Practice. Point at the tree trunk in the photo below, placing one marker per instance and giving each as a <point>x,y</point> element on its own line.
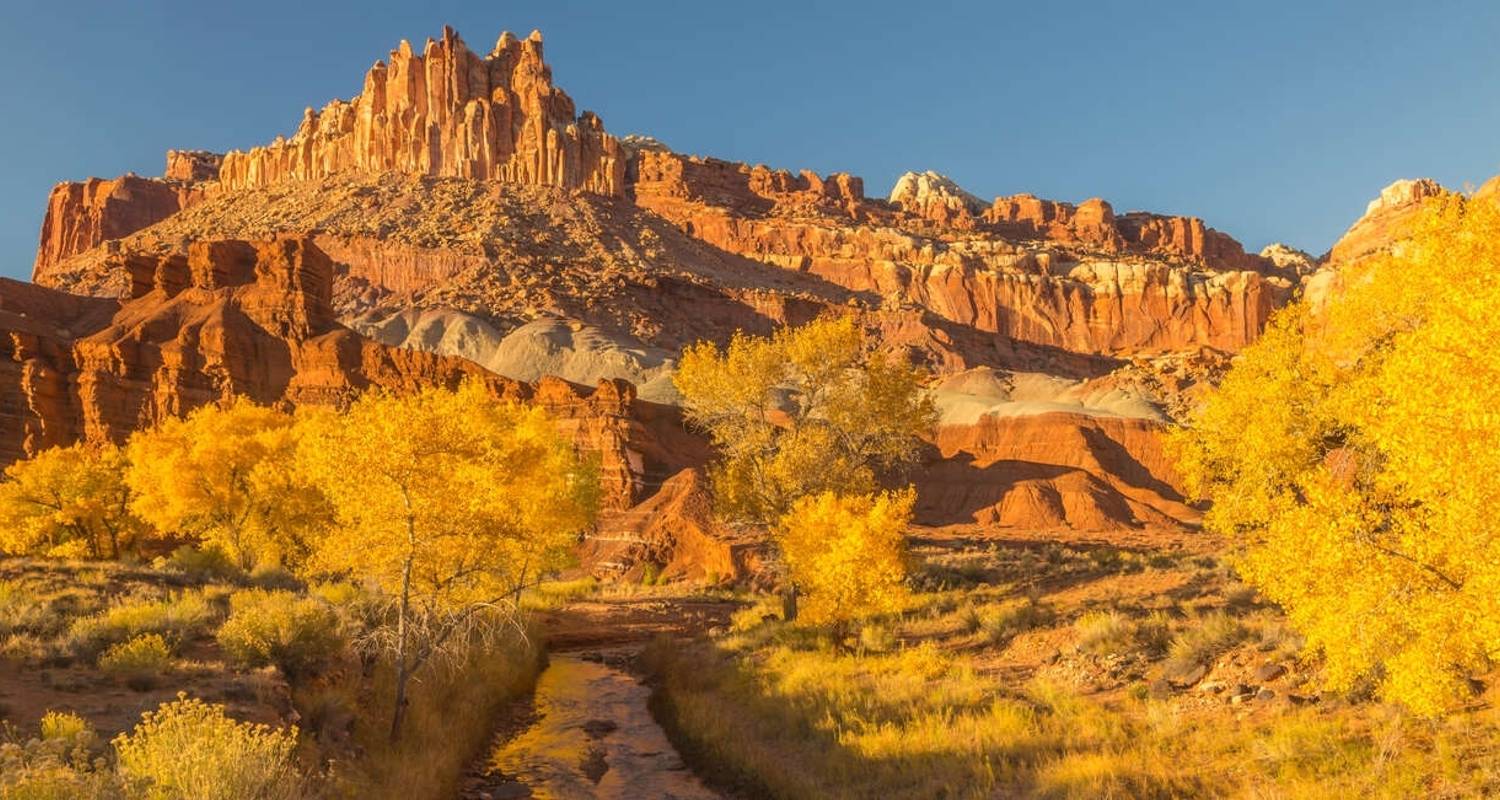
<point>403,672</point>
<point>789,603</point>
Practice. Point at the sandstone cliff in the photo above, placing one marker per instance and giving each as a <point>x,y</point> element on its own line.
<point>1050,274</point>
<point>460,209</point>
<point>84,214</point>
<point>447,111</point>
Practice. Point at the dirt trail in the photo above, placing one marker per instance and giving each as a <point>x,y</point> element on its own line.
<point>587,731</point>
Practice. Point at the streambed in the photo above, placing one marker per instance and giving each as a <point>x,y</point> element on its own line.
<point>591,735</point>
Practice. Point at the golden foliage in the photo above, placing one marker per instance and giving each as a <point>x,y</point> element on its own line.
<point>848,553</point>
<point>1352,451</point>
<point>68,502</point>
<point>225,475</point>
<point>450,503</point>
<point>808,410</point>
<point>465,496</point>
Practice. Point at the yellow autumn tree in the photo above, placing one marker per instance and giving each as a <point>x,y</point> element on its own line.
<point>451,502</point>
<point>848,553</point>
<point>1351,454</point>
<point>808,410</point>
<point>224,475</point>
<point>68,502</point>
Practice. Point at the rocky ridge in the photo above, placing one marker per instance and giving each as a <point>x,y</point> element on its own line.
<point>459,217</point>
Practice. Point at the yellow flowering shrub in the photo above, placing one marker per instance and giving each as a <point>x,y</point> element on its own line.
<point>189,749</point>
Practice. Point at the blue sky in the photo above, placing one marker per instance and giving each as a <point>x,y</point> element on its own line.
<point>1273,121</point>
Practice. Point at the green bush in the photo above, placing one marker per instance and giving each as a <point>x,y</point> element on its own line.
<point>145,654</point>
<point>297,634</point>
<point>188,749</point>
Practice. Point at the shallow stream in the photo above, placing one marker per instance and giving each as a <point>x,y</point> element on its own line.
<point>592,736</point>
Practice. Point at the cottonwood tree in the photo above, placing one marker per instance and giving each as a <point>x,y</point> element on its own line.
<point>848,553</point>
<point>806,411</point>
<point>1350,453</point>
<point>68,502</point>
<point>451,502</point>
<point>225,475</point>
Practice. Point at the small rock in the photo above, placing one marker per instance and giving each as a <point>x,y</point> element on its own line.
<point>1211,687</point>
<point>1240,688</point>
<point>1269,671</point>
<point>1187,675</point>
<point>1265,694</point>
<point>1239,698</point>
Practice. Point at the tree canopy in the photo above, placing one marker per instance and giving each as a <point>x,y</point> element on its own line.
<point>223,475</point>
<point>450,502</point>
<point>808,410</point>
<point>68,502</point>
<point>1351,453</point>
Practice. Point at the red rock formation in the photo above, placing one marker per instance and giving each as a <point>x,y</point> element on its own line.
<point>1050,471</point>
<point>83,214</point>
<point>674,531</point>
<point>237,318</point>
<point>447,112</point>
<point>657,174</point>
<point>192,166</point>
<point>980,278</point>
<point>937,198</point>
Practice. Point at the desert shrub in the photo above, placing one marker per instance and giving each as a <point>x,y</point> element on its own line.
<point>63,725</point>
<point>1015,618</point>
<point>204,563</point>
<point>59,764</point>
<point>297,634</point>
<point>174,618</point>
<point>1203,642</point>
<point>1104,632</point>
<point>19,608</point>
<point>147,653</point>
<point>189,749</point>
<point>1154,634</point>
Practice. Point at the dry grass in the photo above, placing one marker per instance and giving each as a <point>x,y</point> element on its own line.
<point>995,682</point>
<point>451,717</point>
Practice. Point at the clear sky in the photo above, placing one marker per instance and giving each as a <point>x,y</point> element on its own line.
<point>1274,121</point>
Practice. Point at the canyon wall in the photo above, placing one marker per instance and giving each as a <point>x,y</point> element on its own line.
<point>1051,274</point>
